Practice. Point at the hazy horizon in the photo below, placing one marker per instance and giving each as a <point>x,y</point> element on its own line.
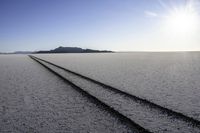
<point>117,25</point>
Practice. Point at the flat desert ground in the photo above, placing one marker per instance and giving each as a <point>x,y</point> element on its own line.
<point>164,91</point>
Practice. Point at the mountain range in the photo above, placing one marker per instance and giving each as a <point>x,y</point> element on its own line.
<point>73,50</point>
<point>62,50</point>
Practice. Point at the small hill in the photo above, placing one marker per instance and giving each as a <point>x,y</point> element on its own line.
<point>23,52</point>
<point>73,50</point>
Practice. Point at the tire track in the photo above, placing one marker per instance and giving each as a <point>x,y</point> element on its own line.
<point>151,116</point>
<point>136,127</point>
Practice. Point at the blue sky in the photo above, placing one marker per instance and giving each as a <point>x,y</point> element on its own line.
<point>122,25</point>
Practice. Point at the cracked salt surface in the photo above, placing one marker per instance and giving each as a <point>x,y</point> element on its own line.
<point>34,100</point>
<point>168,79</point>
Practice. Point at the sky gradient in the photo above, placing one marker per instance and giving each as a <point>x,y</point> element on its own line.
<point>121,25</point>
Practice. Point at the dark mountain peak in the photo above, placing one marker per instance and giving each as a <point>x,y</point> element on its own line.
<point>61,49</point>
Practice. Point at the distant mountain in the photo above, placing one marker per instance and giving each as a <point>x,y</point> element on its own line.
<point>23,52</point>
<point>73,50</point>
<point>18,52</point>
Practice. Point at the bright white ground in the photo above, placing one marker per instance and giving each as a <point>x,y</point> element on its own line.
<point>34,100</point>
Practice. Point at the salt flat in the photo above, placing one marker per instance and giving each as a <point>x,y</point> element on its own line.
<point>34,100</point>
<point>148,115</point>
<point>168,79</point>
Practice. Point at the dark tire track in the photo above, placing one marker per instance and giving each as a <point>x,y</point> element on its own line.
<point>170,112</point>
<point>153,117</point>
<point>32,99</point>
<point>136,127</point>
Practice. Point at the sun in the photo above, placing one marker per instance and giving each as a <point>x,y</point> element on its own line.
<point>182,20</point>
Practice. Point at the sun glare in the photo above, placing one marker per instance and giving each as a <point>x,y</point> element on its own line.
<point>182,20</point>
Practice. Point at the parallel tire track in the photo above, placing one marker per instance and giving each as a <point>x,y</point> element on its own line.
<point>136,127</point>
<point>167,111</point>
